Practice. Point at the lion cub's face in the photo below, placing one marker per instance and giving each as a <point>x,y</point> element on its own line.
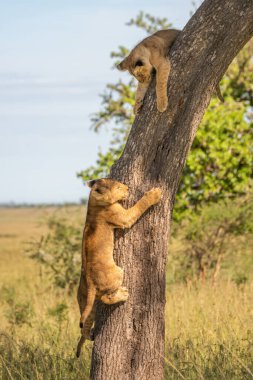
<point>107,191</point>
<point>142,72</point>
<point>138,65</point>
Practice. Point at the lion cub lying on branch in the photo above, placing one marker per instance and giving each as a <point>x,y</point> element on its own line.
<point>149,57</point>
<point>101,278</point>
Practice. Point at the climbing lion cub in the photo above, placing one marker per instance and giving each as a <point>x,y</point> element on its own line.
<point>101,278</point>
<point>147,58</point>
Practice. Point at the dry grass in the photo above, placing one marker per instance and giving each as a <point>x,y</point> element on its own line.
<point>209,329</point>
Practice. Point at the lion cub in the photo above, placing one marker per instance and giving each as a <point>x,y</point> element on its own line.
<point>147,58</point>
<point>150,57</point>
<point>101,278</point>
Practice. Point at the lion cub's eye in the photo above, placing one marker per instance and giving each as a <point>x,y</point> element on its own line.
<point>138,63</point>
<point>99,191</point>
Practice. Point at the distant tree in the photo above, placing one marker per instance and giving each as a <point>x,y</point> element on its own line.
<point>221,160</point>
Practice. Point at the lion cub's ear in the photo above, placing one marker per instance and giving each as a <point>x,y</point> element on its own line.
<point>91,183</point>
<point>123,66</point>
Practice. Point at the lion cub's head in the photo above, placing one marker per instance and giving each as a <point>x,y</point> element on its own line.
<point>107,191</point>
<point>138,64</point>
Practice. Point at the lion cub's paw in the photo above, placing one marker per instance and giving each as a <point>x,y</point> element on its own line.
<point>154,195</point>
<point>162,104</point>
<point>121,295</point>
<point>124,293</point>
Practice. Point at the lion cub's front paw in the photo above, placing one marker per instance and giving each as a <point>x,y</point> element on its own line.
<point>137,107</point>
<point>154,195</point>
<point>162,104</point>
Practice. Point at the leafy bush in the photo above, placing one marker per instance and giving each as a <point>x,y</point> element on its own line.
<point>220,162</point>
<point>18,313</point>
<point>59,312</point>
<point>208,236</point>
<point>60,252</point>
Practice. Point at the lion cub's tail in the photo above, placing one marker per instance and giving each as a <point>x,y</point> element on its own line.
<point>91,295</point>
<point>87,333</point>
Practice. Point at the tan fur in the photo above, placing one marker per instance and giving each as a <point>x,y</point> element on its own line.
<point>101,278</point>
<point>147,57</point>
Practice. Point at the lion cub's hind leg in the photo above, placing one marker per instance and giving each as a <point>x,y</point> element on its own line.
<point>162,66</point>
<point>120,295</point>
<point>115,292</point>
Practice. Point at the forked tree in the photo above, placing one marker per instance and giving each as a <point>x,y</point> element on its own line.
<point>129,338</point>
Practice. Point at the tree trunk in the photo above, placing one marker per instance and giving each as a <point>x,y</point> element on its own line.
<point>129,338</point>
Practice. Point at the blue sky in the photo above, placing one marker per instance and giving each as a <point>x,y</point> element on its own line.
<point>54,63</point>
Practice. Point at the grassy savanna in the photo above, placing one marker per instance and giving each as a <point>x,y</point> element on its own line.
<point>39,324</point>
<point>208,326</point>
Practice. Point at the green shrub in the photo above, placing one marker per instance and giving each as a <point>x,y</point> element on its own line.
<point>60,252</point>
<point>209,239</point>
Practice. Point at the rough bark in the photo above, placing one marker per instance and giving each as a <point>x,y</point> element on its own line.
<point>129,338</point>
